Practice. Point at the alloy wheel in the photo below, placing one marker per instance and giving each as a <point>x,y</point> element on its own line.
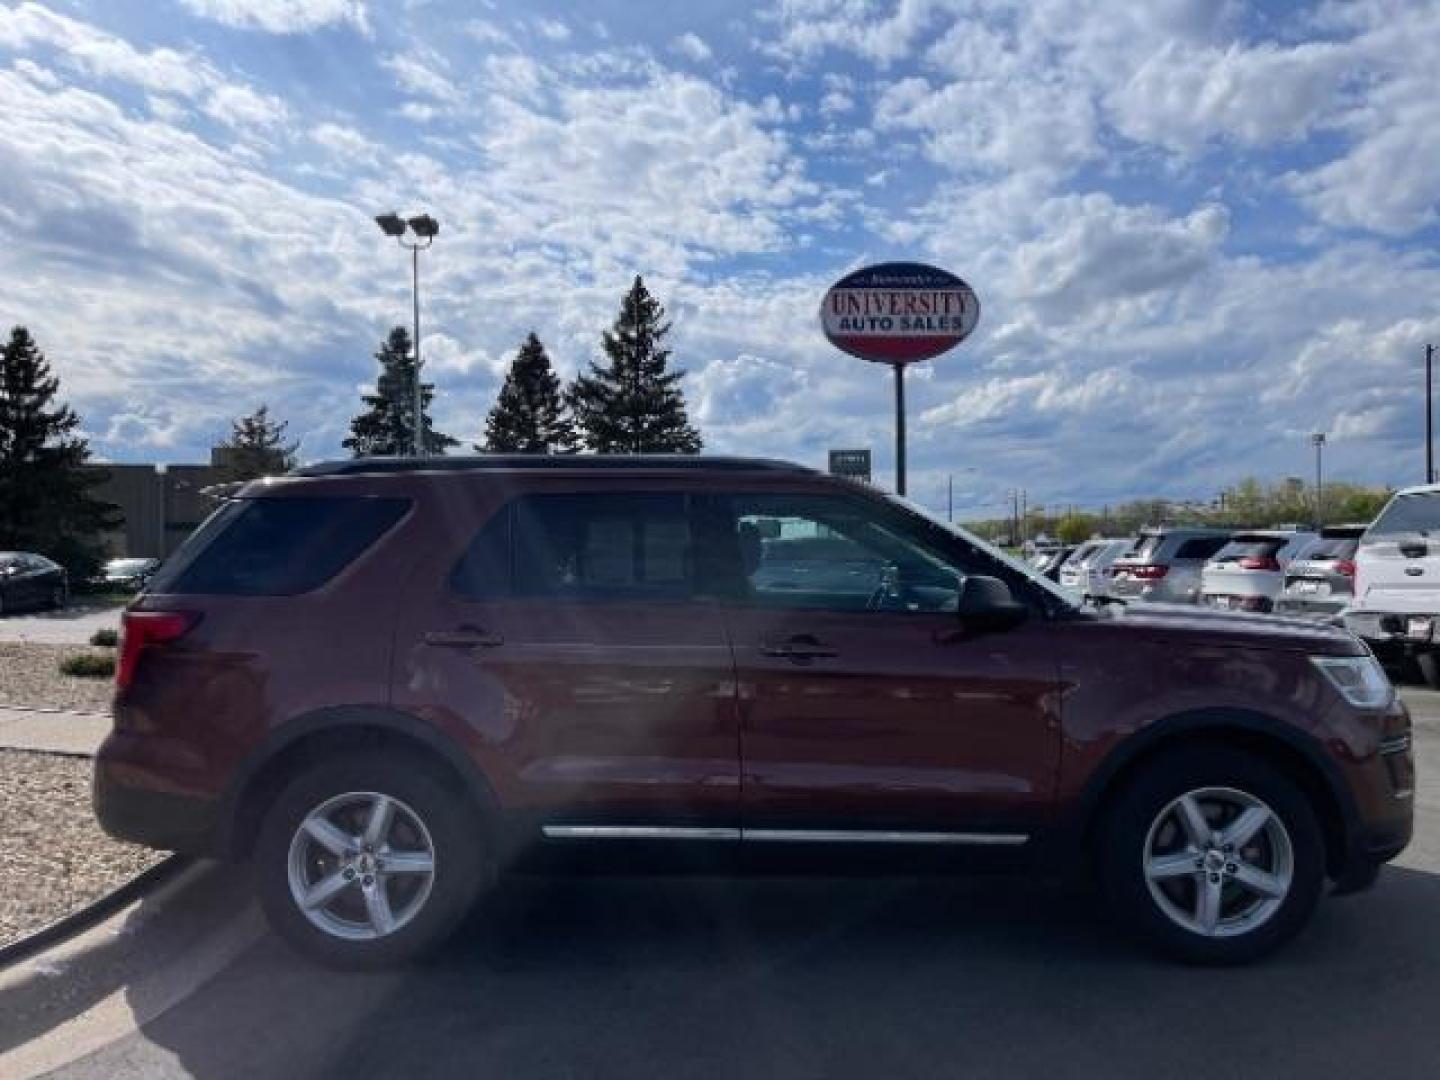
<point>361,865</point>
<point>1218,862</point>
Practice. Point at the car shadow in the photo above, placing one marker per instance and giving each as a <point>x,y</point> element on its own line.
<point>825,977</point>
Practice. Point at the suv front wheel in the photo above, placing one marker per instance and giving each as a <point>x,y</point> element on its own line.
<point>368,861</point>
<point>1213,855</point>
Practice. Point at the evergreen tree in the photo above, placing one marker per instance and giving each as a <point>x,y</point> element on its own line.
<point>633,404</point>
<point>387,425</point>
<point>529,416</point>
<point>46,503</point>
<point>257,447</point>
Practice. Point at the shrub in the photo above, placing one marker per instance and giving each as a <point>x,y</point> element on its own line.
<point>88,666</point>
<point>106,638</point>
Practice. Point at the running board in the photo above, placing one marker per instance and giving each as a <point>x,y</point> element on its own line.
<point>781,836</point>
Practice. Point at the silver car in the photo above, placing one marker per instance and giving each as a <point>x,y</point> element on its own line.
<point>1164,565</point>
<point>1321,582</point>
<point>1098,571</point>
<point>1072,570</point>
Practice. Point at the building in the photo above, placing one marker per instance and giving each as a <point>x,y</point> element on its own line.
<point>161,504</point>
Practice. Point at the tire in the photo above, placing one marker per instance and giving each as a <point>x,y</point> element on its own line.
<point>424,909</point>
<point>1142,828</point>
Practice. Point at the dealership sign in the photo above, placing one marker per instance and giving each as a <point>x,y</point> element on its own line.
<point>899,313</point>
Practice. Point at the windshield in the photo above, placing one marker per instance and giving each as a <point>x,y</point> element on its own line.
<point>1329,548</point>
<point>1408,514</point>
<point>1020,566</point>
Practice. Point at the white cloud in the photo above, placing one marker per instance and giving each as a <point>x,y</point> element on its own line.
<point>552,29</point>
<point>240,106</point>
<point>281,16</point>
<point>423,71</point>
<point>692,46</point>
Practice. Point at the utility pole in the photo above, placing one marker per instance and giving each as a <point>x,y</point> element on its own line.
<point>1024,518</point>
<point>1318,441</point>
<point>950,498</point>
<point>1429,414</point>
<point>424,229</point>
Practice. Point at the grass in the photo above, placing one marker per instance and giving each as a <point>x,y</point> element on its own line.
<point>106,639</point>
<point>89,666</point>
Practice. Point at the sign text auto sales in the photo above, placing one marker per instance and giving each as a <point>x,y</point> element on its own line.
<point>898,313</point>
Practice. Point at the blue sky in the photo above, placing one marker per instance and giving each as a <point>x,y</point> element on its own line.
<point>1199,230</point>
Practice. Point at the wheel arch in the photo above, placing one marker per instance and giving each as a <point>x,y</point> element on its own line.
<point>1292,752</point>
<point>309,738</point>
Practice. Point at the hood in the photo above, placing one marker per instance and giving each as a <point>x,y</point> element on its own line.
<point>1197,625</point>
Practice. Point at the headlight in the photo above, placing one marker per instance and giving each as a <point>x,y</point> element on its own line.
<point>1360,679</point>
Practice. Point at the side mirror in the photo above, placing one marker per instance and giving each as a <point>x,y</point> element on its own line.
<point>985,603</point>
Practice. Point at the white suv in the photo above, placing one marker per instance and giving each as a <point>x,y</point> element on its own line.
<point>1397,582</point>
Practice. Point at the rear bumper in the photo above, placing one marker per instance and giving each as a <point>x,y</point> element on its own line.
<point>133,804</point>
<point>1394,629</point>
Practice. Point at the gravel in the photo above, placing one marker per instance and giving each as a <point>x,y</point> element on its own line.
<point>30,676</point>
<point>53,857</point>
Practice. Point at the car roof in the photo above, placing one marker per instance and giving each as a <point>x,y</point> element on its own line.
<point>1270,534</point>
<point>546,463</point>
<point>1189,530</point>
<point>1419,489</point>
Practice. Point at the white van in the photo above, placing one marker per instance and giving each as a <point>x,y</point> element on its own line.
<point>1397,582</point>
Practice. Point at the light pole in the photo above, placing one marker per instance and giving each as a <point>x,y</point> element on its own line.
<point>1317,440</point>
<point>424,229</point>
<point>1429,414</point>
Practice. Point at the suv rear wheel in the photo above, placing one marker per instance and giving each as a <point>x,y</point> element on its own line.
<point>369,860</point>
<point>1213,855</point>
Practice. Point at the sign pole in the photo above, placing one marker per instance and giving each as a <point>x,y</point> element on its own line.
<point>899,429</point>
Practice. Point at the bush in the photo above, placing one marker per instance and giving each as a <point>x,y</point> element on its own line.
<point>106,638</point>
<point>88,666</point>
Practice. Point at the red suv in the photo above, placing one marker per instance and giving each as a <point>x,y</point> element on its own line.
<point>380,681</point>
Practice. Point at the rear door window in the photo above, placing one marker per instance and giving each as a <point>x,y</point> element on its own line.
<point>616,546</point>
<point>277,546</point>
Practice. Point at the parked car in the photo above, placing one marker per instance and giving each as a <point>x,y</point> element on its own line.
<point>1049,560</point>
<point>129,575</point>
<point>1096,574</point>
<point>1164,565</point>
<point>1397,582</point>
<point>28,580</point>
<point>1248,573</point>
<point>1070,575</point>
<point>382,681</point>
<point>1321,581</point>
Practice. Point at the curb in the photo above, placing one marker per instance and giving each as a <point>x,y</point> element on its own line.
<point>48,710</point>
<point>78,921</point>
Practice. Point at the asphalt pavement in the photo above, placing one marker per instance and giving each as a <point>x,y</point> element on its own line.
<point>826,977</point>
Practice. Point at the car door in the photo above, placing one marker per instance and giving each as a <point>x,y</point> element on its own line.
<point>868,713</point>
<point>30,582</point>
<point>598,690</point>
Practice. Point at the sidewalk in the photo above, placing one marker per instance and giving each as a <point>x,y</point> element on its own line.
<point>52,732</point>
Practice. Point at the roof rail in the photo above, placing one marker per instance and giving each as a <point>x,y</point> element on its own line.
<point>528,462</point>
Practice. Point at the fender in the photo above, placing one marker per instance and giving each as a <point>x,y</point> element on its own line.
<point>350,718</point>
<point>1217,720</point>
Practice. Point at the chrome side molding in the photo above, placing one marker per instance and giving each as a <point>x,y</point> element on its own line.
<point>783,836</point>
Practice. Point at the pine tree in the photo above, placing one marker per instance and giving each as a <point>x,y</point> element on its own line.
<point>529,416</point>
<point>46,504</point>
<point>257,447</point>
<point>633,404</point>
<point>388,424</point>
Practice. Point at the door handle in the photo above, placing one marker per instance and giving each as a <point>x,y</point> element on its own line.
<point>799,649</point>
<point>463,639</point>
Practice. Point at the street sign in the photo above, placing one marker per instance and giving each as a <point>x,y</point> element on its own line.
<point>899,313</point>
<point>854,464</point>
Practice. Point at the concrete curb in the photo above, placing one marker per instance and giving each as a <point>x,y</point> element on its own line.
<point>49,710</point>
<point>96,912</point>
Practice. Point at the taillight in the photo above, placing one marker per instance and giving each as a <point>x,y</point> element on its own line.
<point>140,629</point>
<point>1345,567</point>
<point>1255,562</point>
<point>1151,572</point>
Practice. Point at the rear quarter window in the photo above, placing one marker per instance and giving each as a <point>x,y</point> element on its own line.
<point>277,546</point>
